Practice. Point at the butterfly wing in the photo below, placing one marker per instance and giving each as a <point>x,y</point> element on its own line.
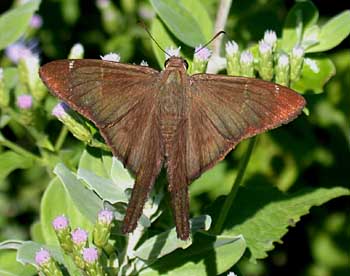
<point>224,110</point>
<point>121,100</point>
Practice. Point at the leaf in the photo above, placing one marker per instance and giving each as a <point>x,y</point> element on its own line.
<point>14,22</point>
<point>315,73</point>
<point>179,21</point>
<point>10,161</point>
<point>55,202</point>
<point>262,214</point>
<point>302,16</point>
<point>200,14</point>
<point>26,252</point>
<point>333,32</point>
<point>26,255</point>
<point>36,232</point>
<point>10,77</point>
<point>91,160</point>
<point>88,203</point>
<point>208,255</point>
<point>104,187</point>
<point>10,267</point>
<point>164,39</point>
<point>166,242</point>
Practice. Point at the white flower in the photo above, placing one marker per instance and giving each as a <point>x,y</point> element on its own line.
<point>231,47</point>
<point>111,57</point>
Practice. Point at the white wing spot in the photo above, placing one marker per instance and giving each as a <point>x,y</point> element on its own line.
<point>71,65</point>
<point>277,89</point>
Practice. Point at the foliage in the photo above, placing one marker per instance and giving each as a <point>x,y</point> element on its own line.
<point>45,171</point>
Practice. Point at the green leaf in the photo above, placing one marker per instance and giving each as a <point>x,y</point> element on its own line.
<point>86,201</point>
<point>10,161</point>
<point>200,14</point>
<point>10,267</point>
<point>160,33</point>
<point>36,232</point>
<point>10,77</point>
<point>262,214</point>
<point>26,255</point>
<point>302,16</point>
<point>166,242</point>
<point>104,187</point>
<point>55,202</point>
<point>14,22</point>
<point>91,160</point>
<point>208,255</point>
<point>333,32</point>
<point>315,73</point>
<point>179,21</point>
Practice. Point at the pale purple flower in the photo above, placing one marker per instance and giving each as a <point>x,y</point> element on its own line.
<point>102,3</point>
<point>246,57</point>
<point>264,47</point>
<point>24,101</point>
<point>298,51</point>
<point>231,47</point>
<point>283,60</point>
<point>90,255</point>
<point>36,21</point>
<point>60,110</point>
<point>17,51</point>
<point>202,54</point>
<point>105,216</point>
<point>144,63</point>
<point>60,223</point>
<point>77,51</point>
<point>42,257</point>
<point>79,236</point>
<point>172,52</point>
<point>111,57</point>
<point>270,37</point>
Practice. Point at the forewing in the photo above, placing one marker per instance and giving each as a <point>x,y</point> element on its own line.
<point>107,93</point>
<point>224,110</point>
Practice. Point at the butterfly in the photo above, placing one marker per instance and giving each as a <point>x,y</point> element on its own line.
<point>152,119</point>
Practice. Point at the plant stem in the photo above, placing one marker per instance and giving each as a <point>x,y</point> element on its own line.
<point>61,137</point>
<point>231,196</point>
<point>220,23</point>
<point>18,149</point>
<point>217,63</point>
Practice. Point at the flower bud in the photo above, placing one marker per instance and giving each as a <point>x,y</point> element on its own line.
<point>110,15</point>
<point>79,238</point>
<point>265,61</point>
<point>62,229</point>
<point>296,62</point>
<point>72,122</point>
<point>102,228</point>
<point>92,267</point>
<point>282,70</point>
<point>172,52</point>
<point>77,51</point>
<point>270,37</point>
<point>200,59</point>
<point>247,64</point>
<point>232,58</point>
<point>111,57</point>
<point>46,263</point>
<point>36,21</point>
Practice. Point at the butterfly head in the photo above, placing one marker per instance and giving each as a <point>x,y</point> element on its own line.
<point>176,62</point>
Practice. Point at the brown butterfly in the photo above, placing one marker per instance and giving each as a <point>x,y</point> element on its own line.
<point>151,118</point>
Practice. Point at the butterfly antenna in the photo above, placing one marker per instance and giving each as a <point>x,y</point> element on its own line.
<point>143,25</point>
<point>210,41</point>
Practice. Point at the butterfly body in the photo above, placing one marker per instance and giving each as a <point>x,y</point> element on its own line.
<point>152,119</point>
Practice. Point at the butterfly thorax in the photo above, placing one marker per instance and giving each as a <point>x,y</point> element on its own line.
<point>172,102</point>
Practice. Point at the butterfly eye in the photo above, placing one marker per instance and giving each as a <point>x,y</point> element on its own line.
<point>186,64</point>
<point>166,63</point>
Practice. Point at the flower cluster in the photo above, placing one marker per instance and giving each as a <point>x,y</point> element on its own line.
<point>75,243</point>
<point>268,61</point>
